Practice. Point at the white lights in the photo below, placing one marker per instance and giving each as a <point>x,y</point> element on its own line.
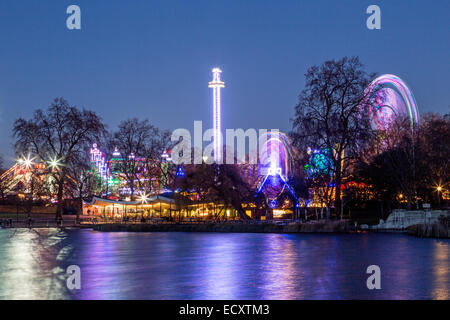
<point>143,197</point>
<point>274,170</point>
<point>54,163</point>
<point>27,162</point>
<point>116,152</point>
<point>217,84</point>
<point>165,156</point>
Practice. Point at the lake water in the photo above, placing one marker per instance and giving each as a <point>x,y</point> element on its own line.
<point>220,265</point>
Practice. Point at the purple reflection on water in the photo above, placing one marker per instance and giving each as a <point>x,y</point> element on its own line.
<point>224,266</point>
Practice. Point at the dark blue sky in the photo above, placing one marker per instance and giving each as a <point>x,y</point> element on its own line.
<point>153,58</point>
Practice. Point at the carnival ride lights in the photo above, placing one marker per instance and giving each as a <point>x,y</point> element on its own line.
<point>275,163</point>
<point>275,152</point>
<point>110,175</point>
<point>391,99</point>
<point>319,162</point>
<point>180,172</point>
<point>217,84</point>
<point>99,159</point>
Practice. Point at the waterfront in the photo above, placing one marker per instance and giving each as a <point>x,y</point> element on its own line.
<point>220,265</point>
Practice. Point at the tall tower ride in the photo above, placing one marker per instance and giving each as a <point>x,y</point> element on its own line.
<point>217,84</point>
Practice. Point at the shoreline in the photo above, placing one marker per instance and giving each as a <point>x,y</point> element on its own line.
<point>233,227</point>
<point>434,230</point>
<point>318,227</point>
<point>344,226</point>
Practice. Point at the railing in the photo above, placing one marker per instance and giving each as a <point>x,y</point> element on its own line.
<point>90,221</point>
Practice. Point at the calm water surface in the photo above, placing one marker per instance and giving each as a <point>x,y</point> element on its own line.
<point>220,265</point>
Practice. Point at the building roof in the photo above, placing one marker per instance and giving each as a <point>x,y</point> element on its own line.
<point>150,200</point>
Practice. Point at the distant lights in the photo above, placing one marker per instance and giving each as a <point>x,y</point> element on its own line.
<point>116,152</point>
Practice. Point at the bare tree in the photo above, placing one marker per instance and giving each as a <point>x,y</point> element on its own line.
<point>80,184</point>
<point>219,184</point>
<point>141,145</point>
<point>409,158</point>
<point>57,136</point>
<point>433,156</point>
<point>328,116</point>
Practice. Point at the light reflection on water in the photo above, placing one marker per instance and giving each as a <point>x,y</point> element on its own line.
<point>220,265</point>
<point>29,266</point>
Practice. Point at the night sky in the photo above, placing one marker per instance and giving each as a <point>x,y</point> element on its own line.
<point>153,58</point>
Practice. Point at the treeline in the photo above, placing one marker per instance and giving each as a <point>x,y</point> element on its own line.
<point>343,162</point>
<point>61,137</point>
<point>399,163</point>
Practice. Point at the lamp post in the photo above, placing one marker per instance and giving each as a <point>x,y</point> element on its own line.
<point>439,189</point>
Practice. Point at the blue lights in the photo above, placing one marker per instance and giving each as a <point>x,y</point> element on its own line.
<point>180,172</point>
<point>320,162</point>
<point>273,203</point>
<point>273,174</point>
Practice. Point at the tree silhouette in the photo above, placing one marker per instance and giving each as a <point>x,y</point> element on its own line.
<point>328,116</point>
<point>61,133</point>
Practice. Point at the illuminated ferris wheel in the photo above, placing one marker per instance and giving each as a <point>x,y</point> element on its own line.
<point>391,99</point>
<point>275,165</point>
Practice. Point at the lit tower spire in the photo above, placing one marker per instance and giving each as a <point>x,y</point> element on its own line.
<point>217,84</point>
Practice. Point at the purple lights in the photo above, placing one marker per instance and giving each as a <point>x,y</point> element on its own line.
<point>391,99</point>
